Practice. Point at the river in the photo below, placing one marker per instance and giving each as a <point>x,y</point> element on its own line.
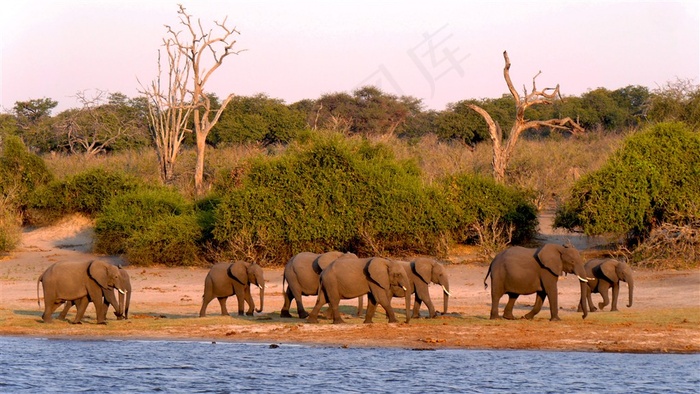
<point>35,365</point>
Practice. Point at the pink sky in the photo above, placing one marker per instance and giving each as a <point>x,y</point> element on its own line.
<point>439,51</point>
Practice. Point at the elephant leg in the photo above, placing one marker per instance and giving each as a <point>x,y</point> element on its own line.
<point>359,306</point>
<point>249,300</point>
<point>592,308</point>
<point>431,308</point>
<point>320,301</point>
<point>371,308</point>
<point>539,301</point>
<point>416,307</point>
<point>615,294</point>
<point>508,310</point>
<point>495,299</point>
<point>81,304</point>
<point>385,301</point>
<point>287,303</point>
<point>49,307</point>
<point>222,303</point>
<point>603,288</point>
<point>64,312</point>
<point>206,299</point>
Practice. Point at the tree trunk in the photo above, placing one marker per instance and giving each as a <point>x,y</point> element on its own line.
<point>199,167</point>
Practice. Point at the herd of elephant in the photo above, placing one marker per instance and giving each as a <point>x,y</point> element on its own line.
<point>336,276</point>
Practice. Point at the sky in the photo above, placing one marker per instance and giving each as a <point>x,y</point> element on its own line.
<point>440,51</point>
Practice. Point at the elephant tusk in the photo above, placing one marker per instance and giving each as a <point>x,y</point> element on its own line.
<point>582,279</point>
<point>260,286</point>
<point>121,291</point>
<point>446,292</point>
<point>404,288</point>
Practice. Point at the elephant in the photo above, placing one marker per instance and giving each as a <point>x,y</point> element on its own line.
<point>421,272</point>
<point>352,277</point>
<point>227,279</point>
<point>80,282</point>
<point>518,270</point>
<point>301,273</point>
<point>121,310</point>
<point>606,273</point>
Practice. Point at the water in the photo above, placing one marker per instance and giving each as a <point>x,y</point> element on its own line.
<point>68,366</point>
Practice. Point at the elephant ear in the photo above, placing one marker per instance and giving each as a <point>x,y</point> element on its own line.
<point>423,268</point>
<point>550,258</point>
<point>609,270</point>
<point>97,270</point>
<point>378,272</point>
<point>238,271</point>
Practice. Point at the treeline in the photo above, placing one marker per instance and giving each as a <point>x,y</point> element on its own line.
<point>114,122</point>
<point>318,177</point>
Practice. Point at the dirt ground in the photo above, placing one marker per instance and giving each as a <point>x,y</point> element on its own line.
<point>665,316</point>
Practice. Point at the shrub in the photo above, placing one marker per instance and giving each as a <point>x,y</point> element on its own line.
<point>20,172</point>
<point>334,193</point>
<point>331,193</point>
<point>87,192</point>
<point>490,214</point>
<point>654,178</point>
<point>169,240</point>
<point>10,228</point>
<point>160,216</point>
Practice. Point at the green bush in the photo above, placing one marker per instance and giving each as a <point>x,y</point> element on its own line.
<point>488,213</point>
<point>87,192</point>
<point>158,216</point>
<point>654,178</point>
<point>169,240</point>
<point>335,193</point>
<point>20,172</point>
<point>10,228</point>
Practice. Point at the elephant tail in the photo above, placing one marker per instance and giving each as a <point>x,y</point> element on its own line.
<point>38,300</point>
<point>486,286</point>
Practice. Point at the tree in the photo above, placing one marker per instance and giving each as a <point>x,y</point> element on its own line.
<point>97,126</point>
<point>168,111</point>
<point>195,49</point>
<point>503,149</point>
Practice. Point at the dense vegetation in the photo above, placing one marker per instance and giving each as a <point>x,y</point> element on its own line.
<point>367,172</point>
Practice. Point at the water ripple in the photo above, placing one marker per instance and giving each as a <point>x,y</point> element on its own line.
<point>111,366</point>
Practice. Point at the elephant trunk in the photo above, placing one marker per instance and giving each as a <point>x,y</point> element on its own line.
<point>630,284</point>
<point>262,297</point>
<point>583,302</point>
<point>407,295</point>
<point>122,305</point>
<point>445,298</point>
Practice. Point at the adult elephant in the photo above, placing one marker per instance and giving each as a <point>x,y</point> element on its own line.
<point>421,273</point>
<point>227,279</point>
<point>604,274</point>
<point>121,309</point>
<point>352,277</point>
<point>301,274</point>
<point>518,270</point>
<point>80,282</point>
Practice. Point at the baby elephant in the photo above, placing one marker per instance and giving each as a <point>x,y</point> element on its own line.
<point>227,279</point>
<point>608,273</point>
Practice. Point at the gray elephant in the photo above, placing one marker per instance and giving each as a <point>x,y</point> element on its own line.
<point>301,273</point>
<point>352,277</point>
<point>606,273</point>
<point>227,279</point>
<point>121,310</point>
<point>518,270</point>
<point>80,282</point>
<point>421,273</point>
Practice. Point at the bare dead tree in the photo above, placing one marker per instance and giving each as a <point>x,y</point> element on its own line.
<point>503,149</point>
<point>168,111</point>
<point>199,48</point>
